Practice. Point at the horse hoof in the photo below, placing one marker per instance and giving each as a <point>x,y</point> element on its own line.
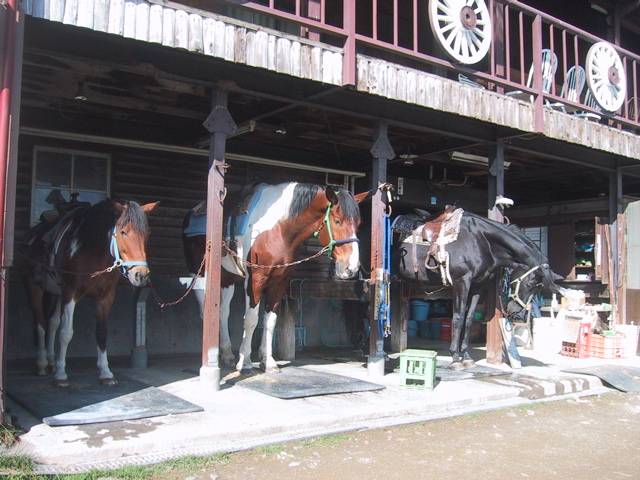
<point>109,382</point>
<point>228,361</point>
<point>469,364</point>
<point>270,370</point>
<point>456,366</point>
<point>60,383</point>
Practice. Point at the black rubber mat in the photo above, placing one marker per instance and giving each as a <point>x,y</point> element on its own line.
<point>293,382</point>
<point>86,401</point>
<point>623,378</point>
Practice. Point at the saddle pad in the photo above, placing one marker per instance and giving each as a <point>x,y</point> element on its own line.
<point>197,226</point>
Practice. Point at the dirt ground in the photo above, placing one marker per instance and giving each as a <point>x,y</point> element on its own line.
<point>588,438</point>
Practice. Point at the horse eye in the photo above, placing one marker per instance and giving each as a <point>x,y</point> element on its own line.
<point>123,233</point>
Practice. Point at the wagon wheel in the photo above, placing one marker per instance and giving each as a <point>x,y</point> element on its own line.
<point>605,76</point>
<point>463,28</point>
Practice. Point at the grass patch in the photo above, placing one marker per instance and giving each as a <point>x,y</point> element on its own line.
<point>15,465</point>
<point>329,440</point>
<point>268,449</point>
<point>9,435</point>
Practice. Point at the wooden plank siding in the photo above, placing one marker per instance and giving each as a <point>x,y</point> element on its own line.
<point>241,42</point>
<point>198,32</point>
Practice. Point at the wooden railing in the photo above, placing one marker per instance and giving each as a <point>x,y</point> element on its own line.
<point>401,32</point>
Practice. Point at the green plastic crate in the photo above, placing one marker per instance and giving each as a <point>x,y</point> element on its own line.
<point>418,369</point>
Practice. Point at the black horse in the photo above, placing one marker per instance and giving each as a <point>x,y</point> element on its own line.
<point>467,251</point>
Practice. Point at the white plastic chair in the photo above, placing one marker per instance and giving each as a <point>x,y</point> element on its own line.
<point>467,81</point>
<point>549,67</point>
<point>572,88</point>
<point>590,101</point>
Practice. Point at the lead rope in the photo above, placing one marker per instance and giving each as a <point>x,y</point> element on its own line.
<point>384,310</point>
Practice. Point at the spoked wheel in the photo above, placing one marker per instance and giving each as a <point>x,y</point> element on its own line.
<point>605,76</point>
<point>463,28</point>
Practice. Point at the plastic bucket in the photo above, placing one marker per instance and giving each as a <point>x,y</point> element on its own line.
<point>412,328</point>
<point>424,329</point>
<point>435,327</point>
<point>419,310</point>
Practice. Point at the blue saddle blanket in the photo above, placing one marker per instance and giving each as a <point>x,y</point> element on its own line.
<point>236,225</point>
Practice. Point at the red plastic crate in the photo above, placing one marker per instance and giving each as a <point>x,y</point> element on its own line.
<point>607,346</point>
<point>582,348</point>
<point>445,329</point>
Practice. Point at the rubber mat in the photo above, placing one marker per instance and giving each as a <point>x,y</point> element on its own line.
<point>623,378</point>
<point>294,382</point>
<point>86,401</point>
<point>445,374</point>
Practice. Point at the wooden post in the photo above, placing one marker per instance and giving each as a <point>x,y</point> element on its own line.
<point>496,187</point>
<point>381,151</point>
<point>220,124</point>
<point>287,330</point>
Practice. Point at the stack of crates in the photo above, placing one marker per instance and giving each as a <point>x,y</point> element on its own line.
<point>582,347</point>
<point>418,369</point>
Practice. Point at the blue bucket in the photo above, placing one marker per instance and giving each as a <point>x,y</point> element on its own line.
<point>424,329</point>
<point>419,310</point>
<point>412,328</point>
<point>436,328</point>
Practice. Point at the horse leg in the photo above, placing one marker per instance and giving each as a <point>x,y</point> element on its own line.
<point>244,364</point>
<point>226,353</point>
<point>103,306</point>
<point>267,363</point>
<point>467,361</point>
<point>529,325</point>
<point>460,297</point>
<point>66,334</point>
<point>52,328</point>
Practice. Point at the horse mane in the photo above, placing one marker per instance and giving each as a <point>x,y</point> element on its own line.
<point>135,216</point>
<point>512,231</point>
<point>305,193</point>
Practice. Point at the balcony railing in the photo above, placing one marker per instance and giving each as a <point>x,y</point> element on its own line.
<point>530,55</point>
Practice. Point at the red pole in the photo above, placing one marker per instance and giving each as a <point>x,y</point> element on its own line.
<point>5,126</point>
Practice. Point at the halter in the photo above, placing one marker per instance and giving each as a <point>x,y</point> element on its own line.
<point>118,263</point>
<point>332,242</point>
<point>514,293</point>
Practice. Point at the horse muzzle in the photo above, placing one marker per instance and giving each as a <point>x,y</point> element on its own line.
<point>138,275</point>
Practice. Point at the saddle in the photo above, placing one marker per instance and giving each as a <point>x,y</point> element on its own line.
<point>438,231</point>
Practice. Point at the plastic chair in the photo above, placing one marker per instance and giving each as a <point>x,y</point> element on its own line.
<point>549,68</point>
<point>572,88</point>
<point>467,81</point>
<point>590,101</point>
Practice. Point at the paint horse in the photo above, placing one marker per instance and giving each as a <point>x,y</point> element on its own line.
<point>265,229</point>
<point>467,251</point>
<point>82,254</point>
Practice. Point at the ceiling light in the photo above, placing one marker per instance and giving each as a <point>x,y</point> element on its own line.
<point>474,159</point>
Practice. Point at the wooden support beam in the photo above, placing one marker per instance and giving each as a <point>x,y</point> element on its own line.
<point>496,187</point>
<point>220,124</point>
<point>382,152</point>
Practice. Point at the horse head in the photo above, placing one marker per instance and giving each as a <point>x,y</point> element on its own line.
<point>525,282</point>
<point>341,225</point>
<point>129,240</point>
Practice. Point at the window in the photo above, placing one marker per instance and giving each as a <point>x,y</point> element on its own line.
<point>539,236</point>
<point>59,173</point>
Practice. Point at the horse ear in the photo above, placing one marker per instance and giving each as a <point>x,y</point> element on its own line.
<point>362,196</point>
<point>117,207</point>
<point>149,206</point>
<point>332,195</point>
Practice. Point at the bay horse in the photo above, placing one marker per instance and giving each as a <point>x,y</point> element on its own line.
<point>265,230</point>
<point>482,249</point>
<point>82,254</point>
